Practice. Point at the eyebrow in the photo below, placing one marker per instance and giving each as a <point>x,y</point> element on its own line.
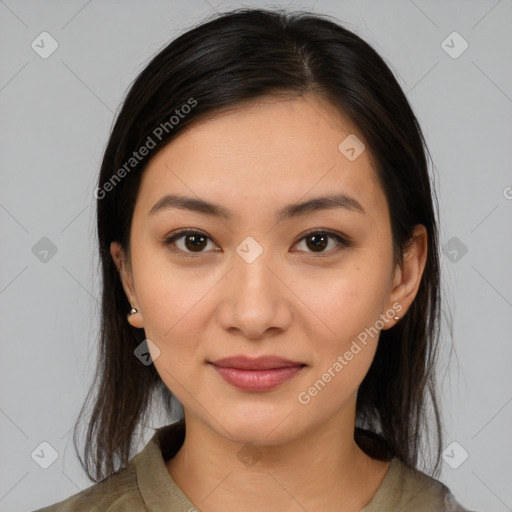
<point>292,210</point>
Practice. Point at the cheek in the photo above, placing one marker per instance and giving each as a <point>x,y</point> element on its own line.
<point>344,301</point>
<point>175,311</point>
<point>346,339</point>
<point>171,296</point>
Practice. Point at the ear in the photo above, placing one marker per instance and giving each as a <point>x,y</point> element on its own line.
<point>408,275</point>
<point>126,276</point>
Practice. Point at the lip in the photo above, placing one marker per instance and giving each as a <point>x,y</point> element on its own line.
<point>259,374</point>
<point>257,363</point>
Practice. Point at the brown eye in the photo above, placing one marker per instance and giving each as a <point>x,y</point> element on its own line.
<point>195,242</point>
<point>191,241</point>
<point>317,241</point>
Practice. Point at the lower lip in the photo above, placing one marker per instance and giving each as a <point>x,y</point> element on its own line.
<point>257,380</point>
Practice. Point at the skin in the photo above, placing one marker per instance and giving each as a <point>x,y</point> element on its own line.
<point>291,301</point>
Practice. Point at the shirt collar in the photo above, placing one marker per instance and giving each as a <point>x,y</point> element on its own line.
<point>159,491</point>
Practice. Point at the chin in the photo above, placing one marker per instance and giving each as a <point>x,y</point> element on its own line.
<point>270,425</point>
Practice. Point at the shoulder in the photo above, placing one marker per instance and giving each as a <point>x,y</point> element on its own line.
<point>422,492</point>
<point>410,490</point>
<point>134,486</point>
<point>118,492</point>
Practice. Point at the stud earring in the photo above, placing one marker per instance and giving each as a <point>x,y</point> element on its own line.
<point>396,317</point>
<point>133,311</point>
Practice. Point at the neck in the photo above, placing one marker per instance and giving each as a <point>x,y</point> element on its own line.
<point>322,467</point>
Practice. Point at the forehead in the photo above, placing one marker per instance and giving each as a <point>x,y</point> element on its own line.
<point>266,152</point>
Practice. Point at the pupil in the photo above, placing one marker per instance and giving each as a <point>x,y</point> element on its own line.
<point>318,244</point>
<point>201,239</point>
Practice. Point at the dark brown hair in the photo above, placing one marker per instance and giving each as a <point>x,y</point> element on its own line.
<point>237,56</point>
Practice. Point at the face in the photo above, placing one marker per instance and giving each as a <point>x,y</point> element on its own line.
<point>314,286</point>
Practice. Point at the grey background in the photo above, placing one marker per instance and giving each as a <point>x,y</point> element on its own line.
<point>56,114</point>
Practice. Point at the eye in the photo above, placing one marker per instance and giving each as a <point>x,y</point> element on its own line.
<point>193,241</point>
<point>317,240</point>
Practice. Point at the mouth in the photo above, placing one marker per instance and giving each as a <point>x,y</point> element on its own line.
<point>260,374</point>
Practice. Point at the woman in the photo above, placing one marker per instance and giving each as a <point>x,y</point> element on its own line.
<point>269,257</point>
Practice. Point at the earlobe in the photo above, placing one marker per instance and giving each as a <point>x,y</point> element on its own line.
<point>135,318</point>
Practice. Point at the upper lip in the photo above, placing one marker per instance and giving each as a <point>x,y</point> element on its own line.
<point>258,363</point>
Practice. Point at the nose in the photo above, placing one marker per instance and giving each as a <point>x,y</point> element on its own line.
<point>255,301</point>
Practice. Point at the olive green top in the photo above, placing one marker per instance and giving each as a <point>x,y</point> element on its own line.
<point>146,485</point>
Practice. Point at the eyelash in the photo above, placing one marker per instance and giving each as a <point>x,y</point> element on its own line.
<point>169,241</point>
